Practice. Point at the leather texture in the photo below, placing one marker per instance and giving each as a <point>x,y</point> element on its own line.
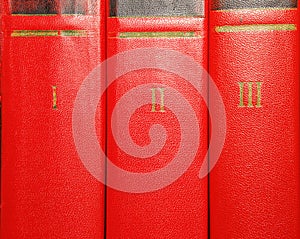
<point>254,188</point>
<point>46,191</point>
<point>180,209</point>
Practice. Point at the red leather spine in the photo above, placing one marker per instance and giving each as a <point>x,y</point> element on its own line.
<point>0,124</point>
<point>1,47</point>
<point>46,190</point>
<point>254,60</point>
<point>178,210</point>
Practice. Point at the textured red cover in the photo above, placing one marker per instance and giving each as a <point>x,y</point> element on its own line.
<point>46,191</point>
<point>254,188</point>
<point>180,209</point>
<point>1,46</point>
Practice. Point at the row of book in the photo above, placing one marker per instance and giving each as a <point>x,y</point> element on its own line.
<point>150,119</point>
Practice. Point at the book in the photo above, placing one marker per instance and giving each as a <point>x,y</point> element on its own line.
<point>157,120</point>
<point>50,48</point>
<point>254,61</point>
<point>1,45</point>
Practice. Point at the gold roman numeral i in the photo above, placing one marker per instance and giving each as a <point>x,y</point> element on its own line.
<point>162,99</point>
<point>54,97</point>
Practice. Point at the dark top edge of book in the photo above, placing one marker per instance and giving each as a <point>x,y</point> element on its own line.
<point>248,4</point>
<point>52,6</point>
<point>156,8</point>
<point>34,7</point>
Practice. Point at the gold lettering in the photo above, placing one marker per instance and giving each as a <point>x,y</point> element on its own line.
<point>241,84</point>
<point>54,96</point>
<point>162,99</point>
<point>250,94</point>
<point>258,103</point>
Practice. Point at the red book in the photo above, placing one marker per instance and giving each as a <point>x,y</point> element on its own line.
<point>1,45</point>
<point>49,49</point>
<point>254,60</point>
<point>157,120</point>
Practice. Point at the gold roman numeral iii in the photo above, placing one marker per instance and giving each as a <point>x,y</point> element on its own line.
<point>250,86</point>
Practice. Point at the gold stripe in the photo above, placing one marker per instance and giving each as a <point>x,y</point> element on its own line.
<point>42,33</point>
<point>47,15</point>
<point>130,17</point>
<point>157,34</point>
<point>33,33</point>
<point>257,27</point>
<point>75,14</point>
<point>254,9</point>
<point>32,15</point>
<point>74,33</point>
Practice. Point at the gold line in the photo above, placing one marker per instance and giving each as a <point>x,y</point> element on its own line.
<point>187,16</point>
<point>41,33</point>
<point>255,9</point>
<point>256,27</point>
<point>32,15</point>
<point>75,14</point>
<point>74,33</point>
<point>52,14</point>
<point>157,34</point>
<point>33,33</point>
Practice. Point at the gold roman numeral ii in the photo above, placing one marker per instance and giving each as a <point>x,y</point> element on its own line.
<point>162,99</point>
<point>250,86</point>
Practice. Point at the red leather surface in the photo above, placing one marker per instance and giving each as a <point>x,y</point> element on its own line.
<point>1,46</point>
<point>179,210</point>
<point>254,188</point>
<point>46,191</point>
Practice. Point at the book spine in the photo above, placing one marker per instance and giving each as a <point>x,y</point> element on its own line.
<point>148,45</point>
<point>48,52</point>
<point>1,48</point>
<point>254,60</point>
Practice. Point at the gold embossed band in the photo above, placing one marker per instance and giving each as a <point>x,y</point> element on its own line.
<point>33,33</point>
<point>49,33</point>
<point>32,15</point>
<point>256,27</point>
<point>158,34</point>
<point>74,33</point>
